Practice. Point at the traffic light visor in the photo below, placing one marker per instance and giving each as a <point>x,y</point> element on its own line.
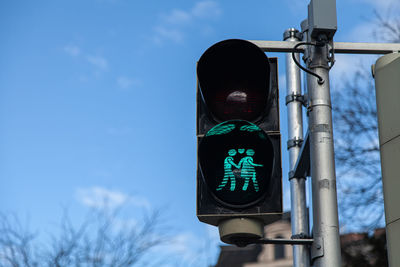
<point>233,77</point>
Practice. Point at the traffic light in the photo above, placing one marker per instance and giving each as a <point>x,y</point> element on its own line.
<point>239,175</point>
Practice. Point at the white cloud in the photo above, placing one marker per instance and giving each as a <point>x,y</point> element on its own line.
<point>173,24</point>
<point>164,33</point>
<point>72,50</point>
<point>369,30</point>
<point>180,244</point>
<point>121,224</point>
<point>98,61</point>
<point>139,202</point>
<point>296,6</point>
<point>100,197</point>
<point>192,249</point>
<point>212,232</point>
<point>206,9</point>
<point>346,66</point>
<point>187,247</point>
<point>177,16</point>
<point>362,32</point>
<point>125,82</point>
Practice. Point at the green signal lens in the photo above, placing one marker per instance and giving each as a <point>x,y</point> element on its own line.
<point>245,168</point>
<point>236,161</point>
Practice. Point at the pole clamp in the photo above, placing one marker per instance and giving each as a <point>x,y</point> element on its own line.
<point>294,97</point>
<point>291,175</point>
<point>317,248</point>
<point>294,142</point>
<point>300,236</point>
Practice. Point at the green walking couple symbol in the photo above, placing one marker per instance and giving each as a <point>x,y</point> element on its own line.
<point>246,167</point>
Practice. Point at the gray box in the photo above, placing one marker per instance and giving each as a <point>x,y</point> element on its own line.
<point>322,17</point>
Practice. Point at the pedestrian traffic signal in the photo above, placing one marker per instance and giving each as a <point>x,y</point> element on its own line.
<point>236,163</point>
<point>239,153</point>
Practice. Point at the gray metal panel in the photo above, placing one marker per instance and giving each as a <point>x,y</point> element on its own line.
<point>302,167</point>
<point>392,235</point>
<point>390,157</point>
<point>387,83</point>
<point>387,78</point>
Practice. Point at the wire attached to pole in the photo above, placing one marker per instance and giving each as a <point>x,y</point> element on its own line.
<point>320,79</point>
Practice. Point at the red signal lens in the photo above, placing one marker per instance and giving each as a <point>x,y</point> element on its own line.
<point>234,80</point>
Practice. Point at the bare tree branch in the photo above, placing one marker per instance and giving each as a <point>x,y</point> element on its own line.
<point>101,240</point>
<point>356,141</point>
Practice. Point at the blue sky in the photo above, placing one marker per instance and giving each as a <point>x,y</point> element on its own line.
<point>97,99</point>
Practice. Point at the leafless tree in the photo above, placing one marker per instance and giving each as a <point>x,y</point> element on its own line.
<point>16,243</point>
<point>388,27</point>
<point>101,240</point>
<point>356,141</point>
<point>357,152</point>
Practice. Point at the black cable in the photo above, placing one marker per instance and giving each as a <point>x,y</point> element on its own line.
<point>320,79</point>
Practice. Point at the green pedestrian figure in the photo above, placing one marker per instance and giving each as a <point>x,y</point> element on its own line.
<point>228,173</point>
<point>248,171</point>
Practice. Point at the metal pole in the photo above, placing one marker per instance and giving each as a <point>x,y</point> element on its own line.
<point>299,215</point>
<point>325,211</point>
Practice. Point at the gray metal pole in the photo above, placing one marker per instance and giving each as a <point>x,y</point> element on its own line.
<point>299,215</point>
<point>325,210</point>
<point>338,47</point>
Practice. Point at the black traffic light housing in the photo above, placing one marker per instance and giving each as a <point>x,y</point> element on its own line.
<point>237,88</point>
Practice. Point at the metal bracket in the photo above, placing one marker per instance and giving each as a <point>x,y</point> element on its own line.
<point>331,54</point>
<point>294,142</point>
<point>317,248</point>
<point>338,47</point>
<point>302,167</point>
<point>302,241</point>
<point>299,98</point>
